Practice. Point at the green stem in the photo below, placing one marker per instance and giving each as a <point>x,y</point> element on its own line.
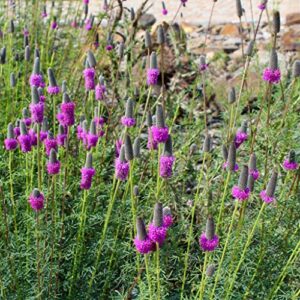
<point>157,271</point>
<point>148,277</point>
<point>203,277</point>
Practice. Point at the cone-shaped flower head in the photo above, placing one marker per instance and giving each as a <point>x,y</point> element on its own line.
<point>27,53</point>
<point>53,165</point>
<point>121,165</point>
<point>210,270</point>
<point>268,194</point>
<point>202,64</point>
<point>160,132</point>
<point>207,144</point>
<point>128,148</point>
<point>164,9</point>
<point>92,136</point>
<point>209,240</point>
<point>157,232</point>
<point>241,192</point>
<point>13,81</point>
<point>44,129</point>
<point>91,59</point>
<point>231,160</point>
<point>67,115</point>
<point>148,41</point>
<point>10,142</point>
<point>24,138</point>
<point>167,217</point>
<point>87,173</point>
<point>61,136</point>
<point>26,117</point>
<point>262,6</point>
<point>231,95</point>
<point>50,143</point>
<point>142,242</point>
<point>239,8</point>
<point>53,88</point>
<point>137,148</point>
<point>36,107</point>
<point>166,161</point>
<point>290,163</point>
<point>36,200</point>
<point>272,73</point>
<point>241,135</point>
<point>36,79</point>
<point>64,88</point>
<point>41,94</point>
<point>128,120</point>
<point>253,172</point>
<point>100,89</point>
<point>250,48</point>
<point>276,22</point>
<point>153,71</point>
<point>161,39</point>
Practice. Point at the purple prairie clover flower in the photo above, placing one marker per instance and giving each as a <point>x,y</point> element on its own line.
<point>89,78</point>
<point>271,76</point>
<point>41,94</point>
<point>118,146</point>
<point>236,166</point>
<point>43,135</point>
<point>37,112</point>
<point>167,217</point>
<point>263,5</point>
<point>36,80</point>
<point>26,32</point>
<point>17,130</point>
<point>241,192</point>
<point>267,195</point>
<point>151,144</point>
<point>50,143</point>
<point>290,163</point>
<point>254,173</point>
<point>53,88</point>
<point>10,142</point>
<point>156,231</point>
<point>142,242</point>
<point>208,240</point>
<point>24,139</point>
<point>62,135</point>
<point>100,121</point>
<point>121,165</point>
<point>109,47</point>
<point>27,121</point>
<point>87,173</point>
<point>85,1</point>
<point>74,24</point>
<point>128,120</point>
<point>166,160</point>
<point>26,117</point>
<point>100,91</point>
<point>164,9</point>
<point>202,64</point>
<point>91,136</point>
<point>36,200</point>
<point>44,12</point>
<point>33,136</point>
<point>160,135</point>
<point>54,24</point>
<point>53,165</point>
<point>67,111</point>
<point>152,76</point>
<point>241,135</point>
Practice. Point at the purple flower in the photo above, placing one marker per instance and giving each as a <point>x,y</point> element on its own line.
<point>109,47</point>
<point>27,121</point>
<point>89,78</point>
<point>118,146</point>
<point>271,76</point>
<point>128,122</point>
<point>100,121</point>
<point>240,137</point>
<point>10,144</point>
<point>44,14</point>
<point>50,143</point>
<point>165,166</point>
<point>88,25</point>
<point>61,138</point>
<point>167,221</point>
<point>26,32</point>
<point>17,131</point>
<point>152,76</point>
<point>25,142</point>
<point>43,135</point>
<point>53,168</point>
<point>225,165</point>
<point>53,90</point>
<point>53,25</point>
<point>160,135</point>
<point>42,98</point>
<point>121,169</point>
<point>151,144</point>
<point>37,112</point>
<point>254,173</point>
<point>208,245</point>
<point>86,178</point>
<point>68,115</point>
<point>100,91</point>
<point>92,140</point>
<point>144,246</point>
<point>240,194</point>
<point>265,197</point>
<point>157,233</point>
<point>263,5</point>
<point>290,165</point>
<point>36,200</point>
<point>203,67</point>
<point>36,80</point>
<point>33,137</point>
<point>164,11</point>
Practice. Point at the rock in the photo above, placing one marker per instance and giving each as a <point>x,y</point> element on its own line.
<point>291,39</point>
<point>146,21</point>
<point>230,30</point>
<point>189,28</point>
<point>292,18</point>
<point>195,45</point>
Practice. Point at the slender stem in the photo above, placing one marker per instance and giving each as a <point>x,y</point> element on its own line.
<point>38,256</point>
<point>148,277</point>
<point>12,192</point>
<point>202,284</point>
<point>157,272</point>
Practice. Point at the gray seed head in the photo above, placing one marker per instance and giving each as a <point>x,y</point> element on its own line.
<point>13,81</point>
<point>36,66</point>
<point>243,177</point>
<point>86,9</point>
<point>153,60</point>
<point>10,131</point>
<point>231,95</point>
<point>89,161</point>
<point>207,144</point>
<point>51,77</point>
<point>84,125</point>
<point>210,228</point>
<point>91,59</point>
<point>93,128</point>
<point>273,60</point>
<point>276,22</point>
<point>11,26</point>
<point>101,80</point>
<point>52,156</point>
<point>36,193</point>
<point>122,154</point>
<point>296,69</point>
<point>64,86</point>
<point>244,127</point>
<point>252,162</point>
<point>231,156</point>
<point>25,113</point>
<point>45,124</point>
<point>163,5</point>
<point>66,98</point>
<point>26,41</point>
<point>250,48</point>
<point>210,270</point>
<point>132,14</point>
<point>225,152</point>
<point>81,118</point>
<point>160,117</point>
<point>168,148</point>
<point>141,229</point>
<point>136,191</point>
<point>250,183</point>
<point>158,215</point>
<point>3,55</point>
<point>160,35</point>
<point>292,156</point>
<point>149,118</point>
<point>50,135</point>
<point>202,60</point>
<point>271,187</point>
<point>148,41</point>
<point>27,53</point>
<point>128,148</point>
<point>137,148</point>
<point>40,91</point>
<point>23,128</point>
<point>129,108</point>
<point>239,8</point>
<point>35,97</point>
<point>61,129</point>
<point>36,53</point>
<point>193,149</point>
<point>167,211</point>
